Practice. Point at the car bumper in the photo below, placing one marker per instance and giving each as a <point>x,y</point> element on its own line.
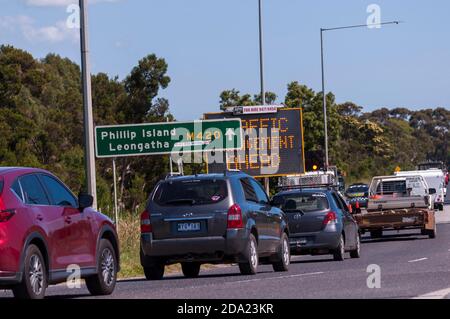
<point>9,279</point>
<point>317,241</point>
<point>212,247</point>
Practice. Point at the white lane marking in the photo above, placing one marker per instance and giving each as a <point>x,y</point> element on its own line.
<point>278,277</point>
<point>417,260</point>
<point>440,294</point>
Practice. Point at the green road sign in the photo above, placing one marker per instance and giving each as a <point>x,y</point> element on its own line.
<point>168,138</point>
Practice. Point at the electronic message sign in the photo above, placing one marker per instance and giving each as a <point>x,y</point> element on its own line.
<point>273,145</point>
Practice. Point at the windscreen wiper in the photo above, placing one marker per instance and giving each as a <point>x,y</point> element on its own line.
<point>180,201</point>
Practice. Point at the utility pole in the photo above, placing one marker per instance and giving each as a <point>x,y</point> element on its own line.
<point>88,118</point>
<point>261,66</point>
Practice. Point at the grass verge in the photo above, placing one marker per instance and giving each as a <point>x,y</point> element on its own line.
<point>129,237</point>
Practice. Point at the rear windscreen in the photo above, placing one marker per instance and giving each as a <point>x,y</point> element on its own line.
<point>391,187</point>
<point>191,192</point>
<point>310,202</point>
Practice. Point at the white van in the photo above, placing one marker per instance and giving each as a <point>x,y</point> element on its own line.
<point>436,180</point>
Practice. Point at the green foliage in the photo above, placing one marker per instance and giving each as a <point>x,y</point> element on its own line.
<point>230,98</point>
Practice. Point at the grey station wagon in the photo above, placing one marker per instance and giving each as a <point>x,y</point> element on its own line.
<point>216,218</point>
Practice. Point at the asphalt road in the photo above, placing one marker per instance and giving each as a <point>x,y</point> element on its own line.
<point>411,266</point>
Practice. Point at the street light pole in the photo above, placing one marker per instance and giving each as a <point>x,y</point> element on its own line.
<point>89,156</point>
<point>261,54</point>
<point>325,116</point>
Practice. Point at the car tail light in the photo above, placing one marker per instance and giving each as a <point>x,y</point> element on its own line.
<point>330,219</point>
<point>5,214</point>
<point>146,226</point>
<point>235,217</point>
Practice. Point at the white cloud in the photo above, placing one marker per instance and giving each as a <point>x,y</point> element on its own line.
<point>59,3</point>
<point>53,33</point>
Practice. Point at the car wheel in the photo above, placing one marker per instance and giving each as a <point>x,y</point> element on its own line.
<point>104,282</point>
<point>34,278</point>
<point>357,252</point>
<point>155,271</point>
<point>283,255</point>
<point>376,233</point>
<point>432,233</point>
<point>190,270</point>
<point>441,207</point>
<point>339,253</point>
<point>250,267</point>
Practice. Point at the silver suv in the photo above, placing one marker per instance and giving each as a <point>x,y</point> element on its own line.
<point>216,218</point>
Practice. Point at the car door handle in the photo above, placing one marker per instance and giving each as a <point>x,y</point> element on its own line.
<point>68,220</point>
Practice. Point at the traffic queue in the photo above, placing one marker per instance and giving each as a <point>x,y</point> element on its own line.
<point>210,218</point>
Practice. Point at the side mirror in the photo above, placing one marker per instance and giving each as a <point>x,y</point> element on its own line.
<point>350,208</point>
<point>85,201</point>
<point>432,191</point>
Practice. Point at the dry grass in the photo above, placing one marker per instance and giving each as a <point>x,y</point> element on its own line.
<point>129,236</point>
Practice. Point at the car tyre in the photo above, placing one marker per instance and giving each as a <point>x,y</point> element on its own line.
<point>432,233</point>
<point>283,255</point>
<point>339,253</point>
<point>356,253</point>
<point>155,271</point>
<point>34,278</point>
<point>251,253</point>
<point>191,270</point>
<point>104,282</point>
<point>376,233</point>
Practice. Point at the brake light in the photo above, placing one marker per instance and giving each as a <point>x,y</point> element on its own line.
<point>330,219</point>
<point>146,226</point>
<point>5,214</point>
<point>235,217</point>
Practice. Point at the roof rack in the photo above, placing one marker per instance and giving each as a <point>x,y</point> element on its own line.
<point>172,175</point>
<point>292,187</point>
<point>231,171</point>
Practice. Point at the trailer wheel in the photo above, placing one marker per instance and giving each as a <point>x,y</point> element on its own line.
<point>376,233</point>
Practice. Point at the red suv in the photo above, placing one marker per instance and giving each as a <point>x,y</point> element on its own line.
<point>47,235</point>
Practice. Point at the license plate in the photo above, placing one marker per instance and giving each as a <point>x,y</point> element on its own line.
<point>302,241</point>
<point>409,219</point>
<point>189,227</point>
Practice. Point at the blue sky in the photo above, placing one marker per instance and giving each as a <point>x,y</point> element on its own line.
<point>212,45</point>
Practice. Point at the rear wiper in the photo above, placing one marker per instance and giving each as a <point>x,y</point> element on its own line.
<point>294,211</point>
<point>180,201</point>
